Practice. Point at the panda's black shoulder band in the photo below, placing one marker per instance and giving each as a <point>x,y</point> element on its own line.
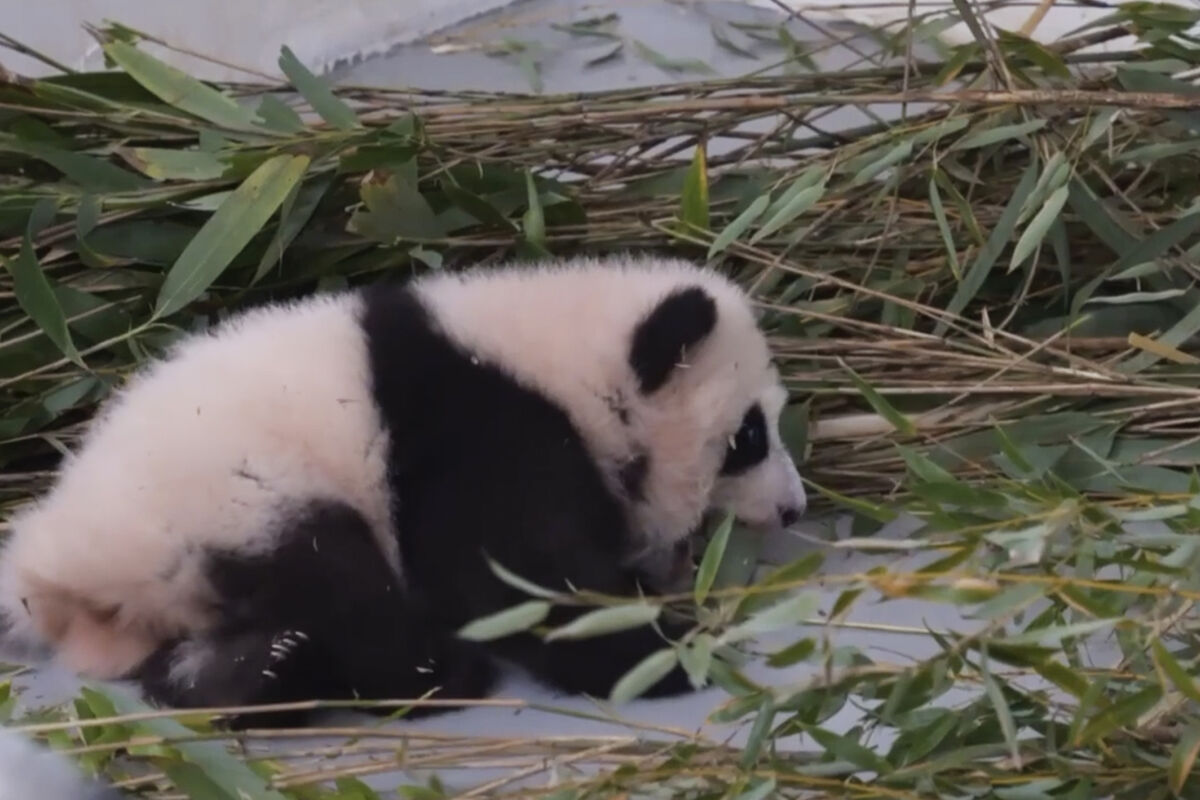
<point>680,321</point>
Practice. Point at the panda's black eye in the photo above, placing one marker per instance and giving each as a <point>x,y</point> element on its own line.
<point>748,446</point>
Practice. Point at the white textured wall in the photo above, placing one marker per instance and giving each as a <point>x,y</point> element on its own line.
<point>249,33</point>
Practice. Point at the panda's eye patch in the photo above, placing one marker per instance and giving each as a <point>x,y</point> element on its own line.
<point>748,446</point>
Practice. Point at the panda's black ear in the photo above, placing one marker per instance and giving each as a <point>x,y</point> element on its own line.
<point>680,321</point>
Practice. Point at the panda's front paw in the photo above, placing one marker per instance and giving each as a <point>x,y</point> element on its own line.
<point>282,648</point>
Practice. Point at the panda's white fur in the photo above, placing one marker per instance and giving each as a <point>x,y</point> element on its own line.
<point>529,321</point>
<point>211,447</point>
<point>162,473</point>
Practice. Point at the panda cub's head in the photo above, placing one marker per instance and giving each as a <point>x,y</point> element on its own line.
<point>663,369</point>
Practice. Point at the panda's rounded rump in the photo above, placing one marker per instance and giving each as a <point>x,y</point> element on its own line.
<point>200,451</point>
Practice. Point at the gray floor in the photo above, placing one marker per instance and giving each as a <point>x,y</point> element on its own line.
<point>889,633</point>
<point>461,61</point>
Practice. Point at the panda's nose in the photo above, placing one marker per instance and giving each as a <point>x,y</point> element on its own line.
<point>788,515</point>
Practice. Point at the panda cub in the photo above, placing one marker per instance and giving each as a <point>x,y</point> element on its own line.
<point>301,502</point>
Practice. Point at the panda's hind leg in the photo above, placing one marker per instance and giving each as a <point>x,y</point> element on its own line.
<point>321,616</point>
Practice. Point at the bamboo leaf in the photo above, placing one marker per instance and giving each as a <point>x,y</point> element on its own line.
<point>1003,714</point>
<point>1174,671</point>
<point>1000,133</point>
<point>178,89</point>
<point>1001,234</point>
<point>163,163</point>
<point>939,216</point>
<point>711,562</point>
<point>607,620</point>
<point>847,749</point>
<point>297,210</point>
<point>739,225</point>
<point>519,583</point>
<point>1120,714</point>
<point>783,614</point>
<point>227,231</point>
<point>507,622</point>
<point>693,208</point>
<point>881,405</point>
<point>534,220</point>
<point>1177,334</point>
<point>33,289</point>
<point>758,733</point>
<point>801,202</point>
<point>232,775</point>
<point>892,157</point>
<point>1038,226</point>
<point>1183,758</point>
<point>648,672</point>
<point>279,116</point>
<point>194,782</point>
<point>317,92</point>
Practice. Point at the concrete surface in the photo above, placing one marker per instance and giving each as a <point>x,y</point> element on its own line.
<point>247,36</point>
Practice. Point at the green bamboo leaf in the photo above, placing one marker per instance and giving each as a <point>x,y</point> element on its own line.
<point>696,658</point>
<point>1003,713</point>
<point>507,622</point>
<point>1174,671</point>
<point>534,219</point>
<point>239,217</point>
<point>519,583</point>
<point>478,207</point>
<point>648,672</point>
<point>794,653</point>
<point>1053,635</point>
<point>877,401</point>
<point>33,288</point>
<point>693,204</point>
<point>713,554</point>
<point>297,210</point>
<point>91,173</point>
<point>799,203</point>
<point>1063,677</point>
<point>1163,150</point>
<point>783,614</point>
<point>1158,243</point>
<point>875,511</point>
<point>1000,133</point>
<point>178,89</point>
<point>847,749</point>
<point>786,576</point>
<point>1035,232</point>
<point>1001,234</point>
<point>1099,126</point>
<point>1054,174</point>
<point>279,116</point>
<point>1172,338</point>
<point>760,789</point>
<point>1122,713</point>
<point>317,92</point>
<point>739,225</point>
<point>1183,758</point>
<point>607,620</point>
<point>164,163</point>
<point>194,782</point>
<point>889,159</point>
<point>758,733</point>
<point>940,130</point>
<point>232,775</point>
<point>939,215</point>
<point>668,63</point>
